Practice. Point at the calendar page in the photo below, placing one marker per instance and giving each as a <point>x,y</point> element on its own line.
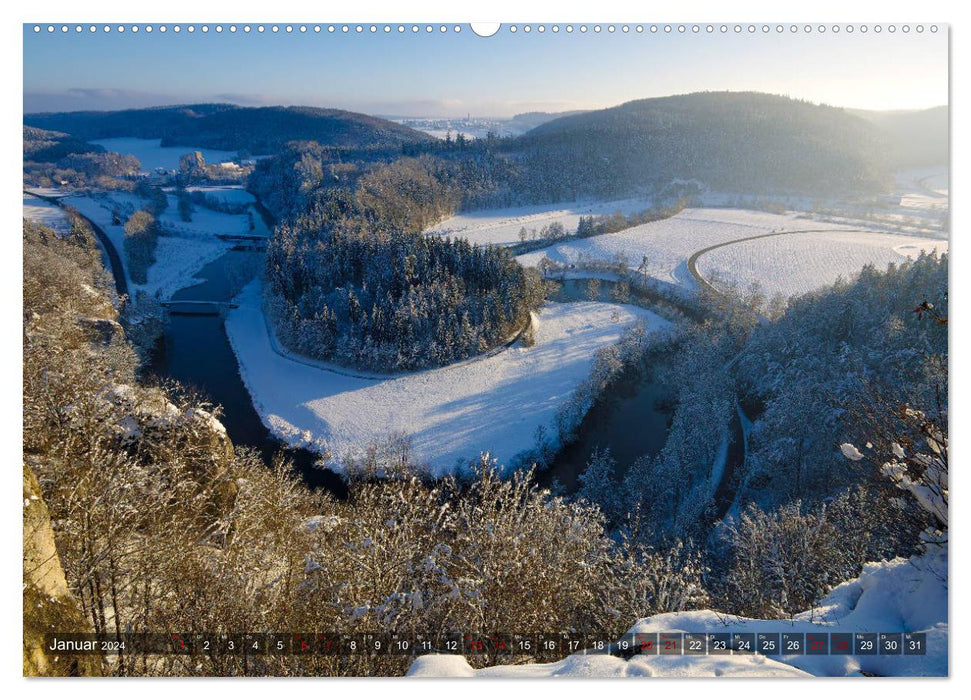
<point>523,350</point>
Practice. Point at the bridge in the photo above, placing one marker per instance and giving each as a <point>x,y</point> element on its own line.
<point>242,237</point>
<point>197,307</point>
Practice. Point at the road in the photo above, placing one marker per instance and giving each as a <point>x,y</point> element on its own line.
<point>114,260</point>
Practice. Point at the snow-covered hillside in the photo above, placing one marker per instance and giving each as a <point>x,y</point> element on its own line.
<point>894,596</point>
<point>494,403</point>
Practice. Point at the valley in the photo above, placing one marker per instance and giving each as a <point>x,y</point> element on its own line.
<point>603,373</point>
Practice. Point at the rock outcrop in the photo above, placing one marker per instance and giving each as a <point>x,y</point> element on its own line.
<point>49,605</point>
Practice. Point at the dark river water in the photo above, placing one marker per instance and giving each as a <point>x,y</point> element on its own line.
<point>629,419</point>
<point>196,352</point>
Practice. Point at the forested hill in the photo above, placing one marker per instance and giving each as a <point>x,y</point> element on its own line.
<point>49,146</point>
<point>913,138</point>
<point>228,127</point>
<point>727,140</point>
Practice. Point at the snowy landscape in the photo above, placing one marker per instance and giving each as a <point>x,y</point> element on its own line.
<point>894,596</point>
<point>798,263</point>
<point>502,226</point>
<point>181,253</point>
<point>46,213</point>
<point>667,364</point>
<point>448,413</point>
<point>153,155</point>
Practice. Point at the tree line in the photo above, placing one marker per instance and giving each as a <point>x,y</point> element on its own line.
<point>353,280</point>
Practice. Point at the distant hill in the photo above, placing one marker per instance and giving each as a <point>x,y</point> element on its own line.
<point>913,137</point>
<point>232,128</point>
<point>42,146</point>
<point>736,141</point>
<point>530,120</point>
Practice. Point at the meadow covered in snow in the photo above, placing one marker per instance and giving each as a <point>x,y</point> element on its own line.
<point>205,222</point>
<point>229,194</point>
<point>178,256</point>
<point>502,226</point>
<point>493,403</point>
<point>797,263</point>
<point>45,213</point>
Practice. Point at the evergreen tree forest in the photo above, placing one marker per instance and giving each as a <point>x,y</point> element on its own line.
<point>352,279</point>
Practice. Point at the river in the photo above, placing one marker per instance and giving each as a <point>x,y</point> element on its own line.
<point>630,419</point>
<point>195,351</point>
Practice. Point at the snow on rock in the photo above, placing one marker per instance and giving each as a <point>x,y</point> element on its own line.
<point>902,595</point>
<point>127,429</point>
<point>494,403</point>
<point>206,418</point>
<point>850,452</point>
<point>441,666</point>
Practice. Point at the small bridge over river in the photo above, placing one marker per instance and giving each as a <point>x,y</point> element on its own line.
<point>197,307</point>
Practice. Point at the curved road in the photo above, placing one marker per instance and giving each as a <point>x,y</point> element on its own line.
<point>114,260</point>
<point>693,260</point>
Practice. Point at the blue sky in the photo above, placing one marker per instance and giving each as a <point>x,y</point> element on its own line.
<point>452,75</point>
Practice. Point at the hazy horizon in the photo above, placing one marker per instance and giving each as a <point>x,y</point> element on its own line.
<point>448,75</point>
<point>387,116</point>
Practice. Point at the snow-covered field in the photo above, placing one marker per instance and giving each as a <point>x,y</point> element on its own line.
<point>608,666</point>
<point>234,194</point>
<point>151,154</point>
<point>895,596</point>
<point>491,404</point>
<point>502,226</point>
<point>669,243</point>
<point>919,204</point>
<point>204,222</point>
<point>178,257</point>
<point>801,262</point>
<point>47,214</point>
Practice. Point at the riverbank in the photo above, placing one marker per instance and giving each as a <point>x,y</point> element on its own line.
<point>451,414</point>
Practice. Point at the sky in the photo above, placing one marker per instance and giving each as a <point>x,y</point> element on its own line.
<point>452,75</point>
